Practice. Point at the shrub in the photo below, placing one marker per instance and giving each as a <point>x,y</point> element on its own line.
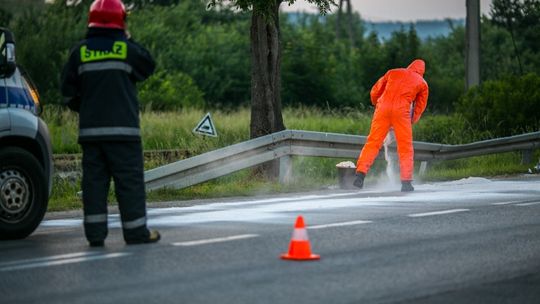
<point>504,107</point>
<point>169,91</point>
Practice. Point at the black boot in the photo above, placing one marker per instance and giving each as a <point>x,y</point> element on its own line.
<point>153,237</point>
<point>359,181</point>
<point>406,186</point>
<point>96,243</point>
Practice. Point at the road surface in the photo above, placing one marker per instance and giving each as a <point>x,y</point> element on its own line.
<point>469,241</point>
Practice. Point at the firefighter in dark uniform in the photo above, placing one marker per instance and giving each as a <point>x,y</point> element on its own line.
<point>98,82</point>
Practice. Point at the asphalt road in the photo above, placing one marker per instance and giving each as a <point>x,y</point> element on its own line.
<point>468,241</point>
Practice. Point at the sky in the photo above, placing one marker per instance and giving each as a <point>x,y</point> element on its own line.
<point>400,10</point>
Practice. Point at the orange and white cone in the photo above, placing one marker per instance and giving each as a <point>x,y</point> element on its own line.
<point>299,248</point>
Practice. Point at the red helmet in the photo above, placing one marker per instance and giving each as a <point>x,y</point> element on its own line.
<point>107,14</point>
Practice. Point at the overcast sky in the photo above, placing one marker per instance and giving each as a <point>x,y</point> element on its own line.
<point>400,10</point>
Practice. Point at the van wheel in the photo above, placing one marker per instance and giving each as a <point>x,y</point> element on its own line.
<point>23,193</point>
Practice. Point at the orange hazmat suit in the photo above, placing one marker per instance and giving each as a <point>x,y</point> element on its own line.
<point>392,95</point>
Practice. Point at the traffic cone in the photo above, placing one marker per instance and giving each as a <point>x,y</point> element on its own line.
<point>299,248</point>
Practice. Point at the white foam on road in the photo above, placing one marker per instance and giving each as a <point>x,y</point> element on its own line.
<point>528,204</point>
<point>286,208</point>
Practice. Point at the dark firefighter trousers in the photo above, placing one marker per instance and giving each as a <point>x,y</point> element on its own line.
<point>123,161</point>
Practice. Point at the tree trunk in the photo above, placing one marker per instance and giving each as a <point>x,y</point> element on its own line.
<point>266,115</point>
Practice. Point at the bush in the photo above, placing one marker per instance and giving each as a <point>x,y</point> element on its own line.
<point>170,91</point>
<point>504,107</point>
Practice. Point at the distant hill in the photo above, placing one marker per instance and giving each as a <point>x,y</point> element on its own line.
<point>424,28</point>
<point>384,29</point>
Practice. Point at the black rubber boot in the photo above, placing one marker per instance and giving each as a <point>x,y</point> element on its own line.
<point>96,243</point>
<point>406,186</point>
<point>359,181</point>
<point>153,237</point>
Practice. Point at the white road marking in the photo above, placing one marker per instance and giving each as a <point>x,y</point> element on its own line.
<point>352,223</point>
<point>528,204</point>
<point>54,261</point>
<point>49,258</point>
<point>216,240</point>
<point>506,203</point>
<point>53,230</point>
<point>437,212</point>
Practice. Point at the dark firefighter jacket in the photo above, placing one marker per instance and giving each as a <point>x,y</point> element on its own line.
<point>99,82</point>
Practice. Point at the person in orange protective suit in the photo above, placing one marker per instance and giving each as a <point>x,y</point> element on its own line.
<point>394,96</point>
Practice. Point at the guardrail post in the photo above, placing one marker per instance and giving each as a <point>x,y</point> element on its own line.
<point>423,168</point>
<point>526,156</point>
<point>285,169</point>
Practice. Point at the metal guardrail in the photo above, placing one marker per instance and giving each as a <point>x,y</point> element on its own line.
<point>285,144</point>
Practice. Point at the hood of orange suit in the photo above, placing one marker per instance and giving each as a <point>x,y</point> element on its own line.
<point>418,66</point>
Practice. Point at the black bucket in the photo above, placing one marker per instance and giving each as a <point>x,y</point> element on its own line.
<point>346,177</point>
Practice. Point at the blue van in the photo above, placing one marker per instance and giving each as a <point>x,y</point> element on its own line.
<point>25,149</point>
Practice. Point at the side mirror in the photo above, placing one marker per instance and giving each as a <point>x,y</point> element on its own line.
<point>7,53</point>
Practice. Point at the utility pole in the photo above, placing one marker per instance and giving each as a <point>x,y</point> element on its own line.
<point>349,20</point>
<point>472,45</point>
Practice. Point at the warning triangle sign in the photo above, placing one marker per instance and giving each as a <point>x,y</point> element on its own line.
<point>206,126</point>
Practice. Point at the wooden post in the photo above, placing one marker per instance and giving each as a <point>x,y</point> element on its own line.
<point>472,55</point>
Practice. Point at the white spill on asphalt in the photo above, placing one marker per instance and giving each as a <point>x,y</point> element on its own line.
<point>281,209</point>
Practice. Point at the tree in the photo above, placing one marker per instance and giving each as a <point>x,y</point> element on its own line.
<point>522,20</point>
<point>266,117</point>
<point>137,4</point>
<point>43,39</point>
<point>5,17</point>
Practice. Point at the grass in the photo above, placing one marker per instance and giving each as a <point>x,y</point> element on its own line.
<point>173,130</point>
<point>489,165</point>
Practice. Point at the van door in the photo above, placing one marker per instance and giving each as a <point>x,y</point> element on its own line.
<point>7,63</point>
<point>4,114</point>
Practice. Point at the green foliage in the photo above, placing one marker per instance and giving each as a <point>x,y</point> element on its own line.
<point>521,18</point>
<point>138,4</point>
<point>212,48</point>
<point>5,17</point>
<point>43,39</point>
<point>498,58</point>
<point>445,70</point>
<point>402,48</point>
<point>266,8</point>
<point>306,72</point>
<point>17,7</point>
<point>165,91</point>
<point>488,165</point>
<point>63,127</point>
<point>173,129</point>
<point>504,107</point>
<point>453,129</point>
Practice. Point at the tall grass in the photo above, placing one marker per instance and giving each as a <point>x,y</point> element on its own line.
<point>173,130</point>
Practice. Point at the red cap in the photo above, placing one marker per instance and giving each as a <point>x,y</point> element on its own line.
<point>107,14</point>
